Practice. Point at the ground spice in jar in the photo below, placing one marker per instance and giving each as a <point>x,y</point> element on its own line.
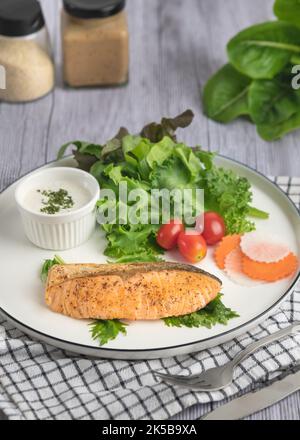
<point>28,68</point>
<point>95,42</point>
<point>24,51</point>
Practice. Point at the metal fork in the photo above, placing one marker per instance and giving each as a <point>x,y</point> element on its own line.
<point>220,377</point>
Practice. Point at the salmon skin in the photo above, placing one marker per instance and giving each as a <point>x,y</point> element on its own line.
<point>136,291</point>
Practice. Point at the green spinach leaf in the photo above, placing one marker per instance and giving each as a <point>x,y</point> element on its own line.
<point>225,94</point>
<point>273,101</point>
<point>263,50</point>
<point>271,132</point>
<point>288,10</point>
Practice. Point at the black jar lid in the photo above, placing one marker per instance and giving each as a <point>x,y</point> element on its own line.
<point>93,8</point>
<point>20,17</point>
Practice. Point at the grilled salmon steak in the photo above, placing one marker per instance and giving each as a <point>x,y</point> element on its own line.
<point>129,291</point>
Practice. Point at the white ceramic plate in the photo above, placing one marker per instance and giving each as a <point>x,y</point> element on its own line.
<point>21,294</point>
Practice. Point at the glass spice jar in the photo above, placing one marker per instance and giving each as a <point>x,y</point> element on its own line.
<point>27,69</point>
<point>94,42</point>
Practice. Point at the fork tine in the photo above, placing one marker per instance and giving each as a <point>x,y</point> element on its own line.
<point>183,380</point>
<point>194,379</point>
<point>174,381</point>
<point>173,376</point>
<point>187,384</point>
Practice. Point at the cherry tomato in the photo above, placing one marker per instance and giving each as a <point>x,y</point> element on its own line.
<point>192,246</point>
<point>168,234</point>
<point>214,227</point>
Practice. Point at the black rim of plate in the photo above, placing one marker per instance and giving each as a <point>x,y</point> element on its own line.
<point>258,318</point>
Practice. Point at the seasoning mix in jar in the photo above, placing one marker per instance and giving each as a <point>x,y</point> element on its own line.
<point>25,54</point>
<point>95,42</point>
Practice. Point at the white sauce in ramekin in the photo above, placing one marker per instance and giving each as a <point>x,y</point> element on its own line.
<point>66,228</point>
<point>34,198</point>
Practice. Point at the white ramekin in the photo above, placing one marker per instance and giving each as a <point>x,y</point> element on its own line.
<point>64,230</point>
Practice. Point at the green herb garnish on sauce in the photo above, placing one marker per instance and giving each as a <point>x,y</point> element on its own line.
<point>55,201</point>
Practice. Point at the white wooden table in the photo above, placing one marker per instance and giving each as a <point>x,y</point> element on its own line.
<point>175,46</point>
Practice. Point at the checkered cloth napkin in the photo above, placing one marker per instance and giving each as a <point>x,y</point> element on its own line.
<point>38,381</point>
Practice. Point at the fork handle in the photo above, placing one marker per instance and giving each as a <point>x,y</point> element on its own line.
<point>291,329</point>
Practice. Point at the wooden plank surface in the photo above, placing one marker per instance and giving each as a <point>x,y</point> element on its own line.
<point>175,46</point>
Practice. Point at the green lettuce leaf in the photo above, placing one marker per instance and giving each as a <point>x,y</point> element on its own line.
<point>113,148</point>
<point>160,152</point>
<point>132,242</point>
<point>172,174</point>
<point>229,195</point>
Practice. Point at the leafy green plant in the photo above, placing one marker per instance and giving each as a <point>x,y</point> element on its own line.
<point>263,50</point>
<point>258,80</point>
<point>230,196</point>
<point>86,153</point>
<point>288,10</point>
<point>225,94</point>
<point>167,127</point>
<point>271,132</point>
<point>273,101</point>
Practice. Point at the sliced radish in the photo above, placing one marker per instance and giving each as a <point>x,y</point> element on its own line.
<point>233,268</point>
<point>263,248</point>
